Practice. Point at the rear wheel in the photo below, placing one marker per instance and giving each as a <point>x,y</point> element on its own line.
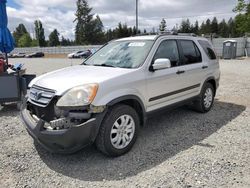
<point>118,131</point>
<point>206,99</point>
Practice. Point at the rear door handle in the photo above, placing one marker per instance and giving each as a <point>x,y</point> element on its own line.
<point>204,67</point>
<point>180,72</point>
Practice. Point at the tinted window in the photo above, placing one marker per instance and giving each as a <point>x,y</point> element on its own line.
<point>168,49</point>
<point>191,52</point>
<point>208,49</point>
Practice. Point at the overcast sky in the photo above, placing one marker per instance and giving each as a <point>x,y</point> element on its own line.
<point>60,13</point>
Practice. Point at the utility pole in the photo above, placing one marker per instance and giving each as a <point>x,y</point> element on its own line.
<point>137,16</point>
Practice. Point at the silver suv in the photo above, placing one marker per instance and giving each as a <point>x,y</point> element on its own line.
<point>106,99</point>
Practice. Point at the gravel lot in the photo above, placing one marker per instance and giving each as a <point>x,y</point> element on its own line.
<point>180,148</point>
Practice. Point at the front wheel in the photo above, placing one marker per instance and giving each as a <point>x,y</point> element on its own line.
<point>206,99</point>
<point>118,131</point>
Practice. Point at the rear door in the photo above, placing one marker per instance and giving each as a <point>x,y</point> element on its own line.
<point>193,66</point>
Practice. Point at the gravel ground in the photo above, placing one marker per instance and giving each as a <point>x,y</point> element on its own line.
<point>180,148</point>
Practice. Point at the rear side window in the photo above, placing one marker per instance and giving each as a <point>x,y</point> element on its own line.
<point>208,49</point>
<point>190,51</point>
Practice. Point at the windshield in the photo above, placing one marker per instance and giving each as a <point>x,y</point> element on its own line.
<point>122,54</point>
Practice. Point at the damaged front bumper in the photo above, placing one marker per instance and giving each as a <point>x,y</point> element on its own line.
<point>65,140</point>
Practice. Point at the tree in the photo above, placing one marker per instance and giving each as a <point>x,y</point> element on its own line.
<point>163,25</point>
<point>196,27</point>
<point>242,20</point>
<point>232,28</point>
<point>97,36</point>
<point>54,38</point>
<point>39,30</point>
<point>25,41</point>
<point>134,31</point>
<point>84,20</point>
<point>202,28</point>
<point>242,6</point>
<point>19,32</point>
<point>214,26</point>
<point>223,29</point>
<point>65,42</point>
<point>208,26</point>
<point>185,26</point>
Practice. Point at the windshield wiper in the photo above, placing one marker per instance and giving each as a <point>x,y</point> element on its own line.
<point>104,65</point>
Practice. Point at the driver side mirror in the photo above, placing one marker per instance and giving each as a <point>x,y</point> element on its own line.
<point>160,64</point>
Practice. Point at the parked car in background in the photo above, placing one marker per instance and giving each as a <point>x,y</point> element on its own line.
<point>19,55</point>
<point>36,54</point>
<point>10,55</point>
<point>80,54</point>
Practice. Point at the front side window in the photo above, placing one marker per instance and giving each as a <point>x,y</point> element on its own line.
<point>121,54</point>
<point>168,50</point>
<point>208,49</point>
<point>191,53</point>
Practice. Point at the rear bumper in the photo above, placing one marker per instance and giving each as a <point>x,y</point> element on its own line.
<point>65,140</point>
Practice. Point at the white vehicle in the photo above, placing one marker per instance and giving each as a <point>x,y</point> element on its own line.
<point>106,99</point>
<point>71,55</point>
<point>80,54</point>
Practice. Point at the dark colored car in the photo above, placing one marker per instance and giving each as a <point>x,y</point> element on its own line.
<point>36,54</point>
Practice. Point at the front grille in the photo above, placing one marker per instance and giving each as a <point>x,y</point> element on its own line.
<point>40,96</point>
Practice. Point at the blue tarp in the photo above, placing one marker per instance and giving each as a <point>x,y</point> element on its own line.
<point>6,39</point>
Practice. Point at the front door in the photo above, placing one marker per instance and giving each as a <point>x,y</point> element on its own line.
<point>164,86</point>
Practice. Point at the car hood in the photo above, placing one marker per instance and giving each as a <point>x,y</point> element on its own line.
<point>67,78</point>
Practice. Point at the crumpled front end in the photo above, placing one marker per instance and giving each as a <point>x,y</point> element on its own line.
<point>60,130</point>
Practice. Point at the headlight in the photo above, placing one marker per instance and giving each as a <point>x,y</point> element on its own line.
<point>78,96</point>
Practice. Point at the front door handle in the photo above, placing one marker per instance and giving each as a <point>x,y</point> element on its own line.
<point>180,72</point>
<point>204,67</point>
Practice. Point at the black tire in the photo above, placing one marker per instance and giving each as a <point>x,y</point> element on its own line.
<point>199,104</point>
<point>103,140</point>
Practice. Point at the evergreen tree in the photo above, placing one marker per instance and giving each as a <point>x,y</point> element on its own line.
<point>214,26</point>
<point>19,32</point>
<point>232,28</point>
<point>39,30</point>
<point>163,25</point>
<point>65,42</point>
<point>202,29</point>
<point>196,27</point>
<point>97,36</point>
<point>185,26</point>
<point>208,27</point>
<point>134,31</point>
<point>223,29</point>
<point>54,38</point>
<point>84,23</point>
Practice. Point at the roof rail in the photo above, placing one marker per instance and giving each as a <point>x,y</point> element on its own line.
<point>176,33</point>
<point>188,34</point>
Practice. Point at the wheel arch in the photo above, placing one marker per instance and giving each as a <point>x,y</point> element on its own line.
<point>212,81</point>
<point>133,101</point>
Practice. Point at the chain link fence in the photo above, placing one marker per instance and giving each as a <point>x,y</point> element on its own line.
<point>55,50</point>
<point>243,47</point>
<point>243,44</point>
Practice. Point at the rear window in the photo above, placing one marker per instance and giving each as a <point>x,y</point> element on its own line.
<point>208,49</point>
